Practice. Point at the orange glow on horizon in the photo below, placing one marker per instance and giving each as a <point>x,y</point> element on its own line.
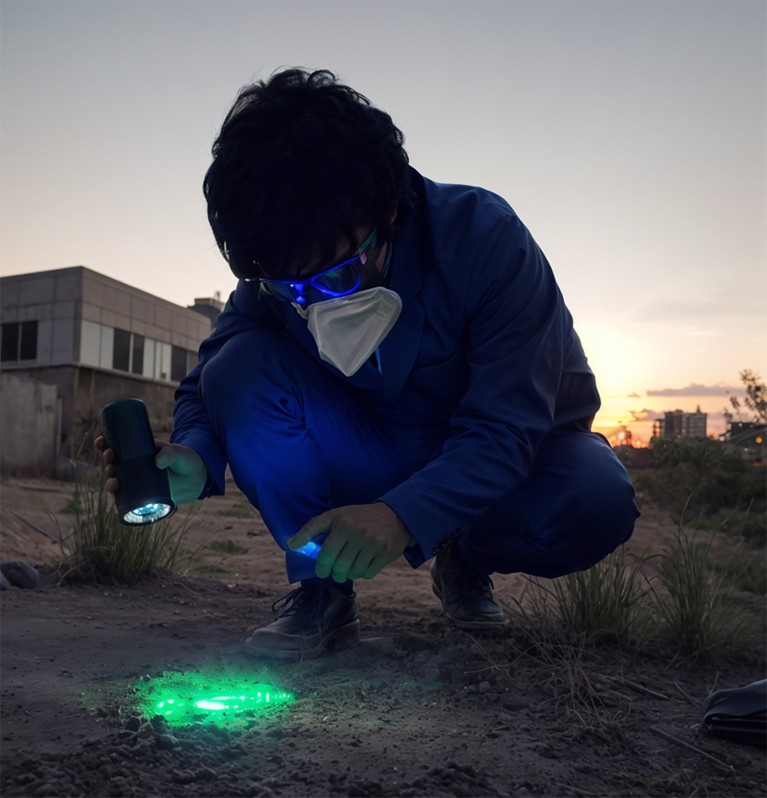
<point>630,419</point>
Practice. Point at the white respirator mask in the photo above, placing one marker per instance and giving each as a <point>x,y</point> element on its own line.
<point>348,329</point>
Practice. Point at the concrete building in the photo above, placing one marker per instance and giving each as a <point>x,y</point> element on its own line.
<point>695,425</point>
<point>678,424</point>
<point>96,339</point>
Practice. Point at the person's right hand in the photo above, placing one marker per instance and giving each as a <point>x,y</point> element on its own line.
<point>187,473</point>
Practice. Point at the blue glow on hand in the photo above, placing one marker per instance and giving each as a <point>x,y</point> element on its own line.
<point>310,549</point>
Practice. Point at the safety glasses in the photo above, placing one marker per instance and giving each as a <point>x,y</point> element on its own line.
<point>339,280</point>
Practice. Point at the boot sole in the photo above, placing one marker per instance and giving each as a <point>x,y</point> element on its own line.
<point>347,636</point>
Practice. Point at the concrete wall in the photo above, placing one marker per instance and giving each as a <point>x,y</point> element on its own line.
<point>28,426</point>
<point>95,388</point>
<point>63,301</point>
<point>83,391</point>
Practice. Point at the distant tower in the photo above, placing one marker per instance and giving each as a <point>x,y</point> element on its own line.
<point>673,424</point>
<point>678,424</point>
<point>209,306</point>
<point>695,424</point>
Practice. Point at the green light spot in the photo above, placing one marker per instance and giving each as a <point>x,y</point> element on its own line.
<point>224,699</point>
<point>211,705</point>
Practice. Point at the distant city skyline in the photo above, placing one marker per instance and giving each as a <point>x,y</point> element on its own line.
<point>628,136</point>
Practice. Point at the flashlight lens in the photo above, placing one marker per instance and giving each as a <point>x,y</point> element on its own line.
<point>147,514</point>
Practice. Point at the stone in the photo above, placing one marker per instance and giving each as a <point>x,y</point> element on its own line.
<point>20,573</point>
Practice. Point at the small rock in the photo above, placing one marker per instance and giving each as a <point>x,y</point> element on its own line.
<point>515,703</point>
<point>46,788</point>
<point>20,573</point>
<point>166,742</point>
<point>159,724</point>
<point>133,724</point>
<point>383,646</point>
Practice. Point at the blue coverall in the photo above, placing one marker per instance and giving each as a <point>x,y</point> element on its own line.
<point>472,424</point>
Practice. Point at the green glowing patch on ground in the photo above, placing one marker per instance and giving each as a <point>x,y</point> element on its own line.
<point>184,699</point>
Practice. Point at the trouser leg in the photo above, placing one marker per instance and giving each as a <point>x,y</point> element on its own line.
<point>575,507</point>
<point>300,441</point>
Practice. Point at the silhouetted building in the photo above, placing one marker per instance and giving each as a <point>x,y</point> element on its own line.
<point>694,424</point>
<point>678,424</point>
<point>96,339</point>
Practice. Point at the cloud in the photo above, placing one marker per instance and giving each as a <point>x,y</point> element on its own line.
<point>645,414</point>
<point>695,389</point>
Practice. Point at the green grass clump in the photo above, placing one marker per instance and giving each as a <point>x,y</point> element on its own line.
<point>684,600</point>
<point>604,601</point>
<point>694,605</point>
<point>99,549</point>
<point>607,602</point>
<point>744,568</point>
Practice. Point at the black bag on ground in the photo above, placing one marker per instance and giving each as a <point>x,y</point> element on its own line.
<point>738,714</point>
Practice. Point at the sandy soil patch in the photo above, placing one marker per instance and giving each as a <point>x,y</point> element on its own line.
<point>417,709</point>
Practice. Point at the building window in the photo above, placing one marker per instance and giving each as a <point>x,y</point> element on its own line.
<point>121,350</point>
<point>10,346</point>
<point>128,352</point>
<point>19,341</point>
<point>178,368</point>
<point>162,360</point>
<point>112,348</point>
<point>137,355</point>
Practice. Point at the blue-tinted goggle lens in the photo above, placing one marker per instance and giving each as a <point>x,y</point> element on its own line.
<point>339,280</point>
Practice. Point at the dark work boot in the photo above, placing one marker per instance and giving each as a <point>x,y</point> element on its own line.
<point>466,594</point>
<point>313,619</point>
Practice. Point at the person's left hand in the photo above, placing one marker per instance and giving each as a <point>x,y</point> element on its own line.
<point>361,540</point>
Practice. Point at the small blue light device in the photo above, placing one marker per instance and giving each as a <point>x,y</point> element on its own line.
<point>310,549</point>
<point>144,495</point>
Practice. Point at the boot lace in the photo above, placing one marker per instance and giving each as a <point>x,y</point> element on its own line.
<point>301,601</point>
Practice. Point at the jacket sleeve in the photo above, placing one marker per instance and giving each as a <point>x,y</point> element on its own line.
<point>191,426</point>
<point>518,331</point>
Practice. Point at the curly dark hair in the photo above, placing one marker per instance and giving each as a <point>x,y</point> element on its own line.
<point>299,159</point>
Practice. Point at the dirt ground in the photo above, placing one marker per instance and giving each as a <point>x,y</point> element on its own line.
<point>418,709</point>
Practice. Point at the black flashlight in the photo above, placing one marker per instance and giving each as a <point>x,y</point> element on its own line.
<point>144,495</point>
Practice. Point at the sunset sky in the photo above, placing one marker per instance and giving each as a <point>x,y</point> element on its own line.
<point>628,136</point>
